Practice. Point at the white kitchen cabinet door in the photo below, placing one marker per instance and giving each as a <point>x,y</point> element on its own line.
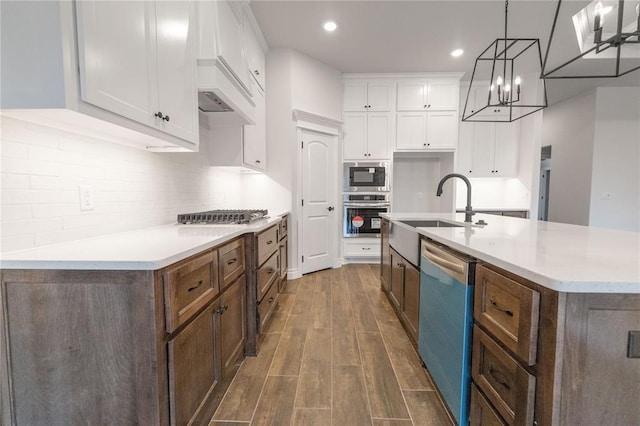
<point>507,137</point>
<point>442,130</point>
<point>354,95</point>
<point>442,95</point>
<point>176,65</point>
<point>230,48</point>
<point>255,136</point>
<point>482,163</point>
<point>355,136</point>
<point>379,134</point>
<point>117,55</point>
<point>465,148</point>
<point>380,95</point>
<point>411,95</point>
<point>411,131</point>
<point>255,55</point>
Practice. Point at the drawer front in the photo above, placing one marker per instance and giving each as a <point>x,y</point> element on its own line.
<point>267,243</point>
<point>507,385</point>
<point>509,311</point>
<point>265,307</point>
<point>267,274</point>
<point>188,287</point>
<point>355,249</point>
<point>232,262</point>
<point>481,412</point>
<point>284,227</point>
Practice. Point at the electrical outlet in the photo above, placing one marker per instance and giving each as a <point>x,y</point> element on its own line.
<point>86,198</point>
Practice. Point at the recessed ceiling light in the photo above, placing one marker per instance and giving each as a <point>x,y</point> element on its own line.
<point>329,26</point>
<point>457,52</point>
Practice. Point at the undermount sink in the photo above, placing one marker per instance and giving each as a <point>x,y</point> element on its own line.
<point>430,224</point>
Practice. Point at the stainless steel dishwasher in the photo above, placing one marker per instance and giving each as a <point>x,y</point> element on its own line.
<point>446,322</point>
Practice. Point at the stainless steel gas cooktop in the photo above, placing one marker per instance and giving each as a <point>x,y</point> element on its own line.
<point>219,217</point>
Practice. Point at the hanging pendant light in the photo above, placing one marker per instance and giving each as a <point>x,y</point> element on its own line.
<point>604,40</point>
<point>505,84</point>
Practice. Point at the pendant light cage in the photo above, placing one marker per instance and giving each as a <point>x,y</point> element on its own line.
<point>593,39</point>
<point>506,82</point>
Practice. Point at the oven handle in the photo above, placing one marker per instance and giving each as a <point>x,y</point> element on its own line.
<point>366,204</point>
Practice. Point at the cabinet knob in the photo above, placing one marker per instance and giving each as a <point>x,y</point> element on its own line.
<point>424,144</point>
<point>429,106</point>
<point>258,161</point>
<point>159,115</point>
<point>256,72</point>
<point>368,106</point>
<point>166,118</point>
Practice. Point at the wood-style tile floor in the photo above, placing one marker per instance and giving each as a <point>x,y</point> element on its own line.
<point>334,353</point>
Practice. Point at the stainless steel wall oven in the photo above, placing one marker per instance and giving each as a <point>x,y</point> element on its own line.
<point>362,214</point>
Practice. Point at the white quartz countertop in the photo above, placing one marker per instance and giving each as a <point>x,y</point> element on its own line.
<point>144,249</point>
<point>566,258</point>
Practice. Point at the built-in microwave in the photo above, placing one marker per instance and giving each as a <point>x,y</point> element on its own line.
<point>366,176</point>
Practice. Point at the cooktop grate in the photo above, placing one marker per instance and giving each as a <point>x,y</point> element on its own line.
<point>222,217</point>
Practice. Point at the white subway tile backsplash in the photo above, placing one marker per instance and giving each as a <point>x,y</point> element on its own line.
<point>30,226</point>
<point>14,181</point>
<point>42,169</point>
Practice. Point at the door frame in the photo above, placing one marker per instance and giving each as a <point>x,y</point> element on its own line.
<point>309,122</point>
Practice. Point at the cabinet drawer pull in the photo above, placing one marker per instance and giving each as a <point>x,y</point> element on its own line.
<point>232,261</point>
<point>198,284</point>
<point>366,248</point>
<point>500,308</point>
<point>270,271</point>
<point>256,72</point>
<point>258,161</point>
<point>498,377</point>
<point>271,299</point>
<point>221,309</point>
<point>269,242</point>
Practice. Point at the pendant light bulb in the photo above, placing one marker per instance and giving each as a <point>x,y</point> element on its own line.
<point>518,80</point>
<point>499,81</point>
<point>507,87</point>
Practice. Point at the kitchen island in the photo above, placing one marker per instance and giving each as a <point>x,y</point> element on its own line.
<point>139,327</point>
<point>556,318</point>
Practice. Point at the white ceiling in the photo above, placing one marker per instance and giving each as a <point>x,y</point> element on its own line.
<point>412,36</point>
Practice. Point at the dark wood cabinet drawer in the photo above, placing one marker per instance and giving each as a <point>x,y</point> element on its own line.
<point>267,274</point>
<point>509,311</point>
<point>188,287</point>
<point>267,243</point>
<point>283,262</point>
<point>232,261</point>
<point>507,385</point>
<point>265,307</point>
<point>481,412</point>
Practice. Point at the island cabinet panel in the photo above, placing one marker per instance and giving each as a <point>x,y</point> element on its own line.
<point>411,300</point>
<point>194,366</point>
<point>385,258</point>
<point>77,348</point>
<point>481,412</point>
<point>601,370</point>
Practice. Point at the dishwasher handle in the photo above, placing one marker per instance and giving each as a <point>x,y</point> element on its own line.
<point>449,263</point>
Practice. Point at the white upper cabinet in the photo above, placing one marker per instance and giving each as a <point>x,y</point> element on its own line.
<point>231,51</point>
<point>367,136</point>
<point>489,149</point>
<point>427,95</point>
<point>118,60</point>
<point>426,131</point>
<point>254,151</point>
<point>255,55</point>
<point>368,95</point>
<point>123,72</point>
<point>137,59</point>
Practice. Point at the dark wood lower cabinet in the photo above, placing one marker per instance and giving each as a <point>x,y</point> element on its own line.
<point>396,289</point>
<point>194,366</point>
<point>411,300</point>
<point>385,256</point>
<point>233,318</point>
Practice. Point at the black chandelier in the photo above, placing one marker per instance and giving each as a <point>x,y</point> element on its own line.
<point>505,84</point>
<point>608,40</point>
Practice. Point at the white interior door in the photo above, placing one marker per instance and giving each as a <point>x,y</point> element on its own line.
<point>318,211</point>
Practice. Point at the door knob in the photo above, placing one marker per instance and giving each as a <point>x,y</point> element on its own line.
<point>330,208</point>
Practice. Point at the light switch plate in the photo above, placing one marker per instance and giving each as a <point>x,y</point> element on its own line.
<point>86,198</point>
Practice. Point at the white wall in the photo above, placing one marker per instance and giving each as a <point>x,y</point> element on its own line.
<point>595,172</point>
<point>42,168</point>
<point>615,188</point>
<point>315,87</point>
<point>494,194</point>
<point>568,127</point>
